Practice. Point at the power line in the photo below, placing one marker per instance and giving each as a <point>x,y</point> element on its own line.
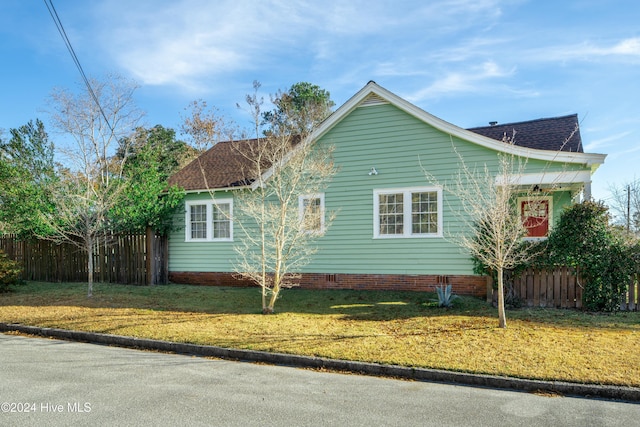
<point>63,34</point>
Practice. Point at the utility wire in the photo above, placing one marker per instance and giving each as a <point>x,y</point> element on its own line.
<point>63,34</point>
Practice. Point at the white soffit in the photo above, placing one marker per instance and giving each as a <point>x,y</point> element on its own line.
<point>545,178</point>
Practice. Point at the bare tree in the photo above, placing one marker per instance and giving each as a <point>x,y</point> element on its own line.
<point>493,227</point>
<point>95,119</point>
<point>203,125</point>
<point>625,204</point>
<point>282,215</point>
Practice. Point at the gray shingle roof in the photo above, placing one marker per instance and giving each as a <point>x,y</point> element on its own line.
<point>222,165</point>
<point>556,133</point>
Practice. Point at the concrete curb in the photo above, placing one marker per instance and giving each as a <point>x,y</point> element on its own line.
<point>631,394</point>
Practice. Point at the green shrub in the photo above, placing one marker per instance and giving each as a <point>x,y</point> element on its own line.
<point>603,255</point>
<point>10,273</point>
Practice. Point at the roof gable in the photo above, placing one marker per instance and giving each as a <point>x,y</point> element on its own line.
<point>382,94</point>
<point>554,139</point>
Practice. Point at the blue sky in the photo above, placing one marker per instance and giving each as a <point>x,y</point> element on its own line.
<point>468,62</point>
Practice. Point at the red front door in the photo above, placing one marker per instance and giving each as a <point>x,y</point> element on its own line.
<point>535,217</point>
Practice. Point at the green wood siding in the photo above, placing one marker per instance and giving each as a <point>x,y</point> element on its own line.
<point>198,256</point>
<point>396,144</point>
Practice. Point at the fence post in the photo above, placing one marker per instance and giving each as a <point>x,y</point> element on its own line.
<point>489,289</point>
<point>150,258</point>
<point>632,293</point>
<point>164,261</point>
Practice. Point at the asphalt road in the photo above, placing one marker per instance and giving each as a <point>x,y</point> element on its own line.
<point>59,383</point>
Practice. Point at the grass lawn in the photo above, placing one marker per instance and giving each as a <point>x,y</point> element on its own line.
<point>403,328</point>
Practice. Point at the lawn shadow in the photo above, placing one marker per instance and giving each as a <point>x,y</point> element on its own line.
<point>376,305</point>
<point>353,305</point>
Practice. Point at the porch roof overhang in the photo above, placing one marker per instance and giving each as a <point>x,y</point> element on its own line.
<point>573,181</point>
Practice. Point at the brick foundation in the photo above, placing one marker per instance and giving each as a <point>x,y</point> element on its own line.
<point>461,284</point>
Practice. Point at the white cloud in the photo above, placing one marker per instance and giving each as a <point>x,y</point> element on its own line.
<point>188,42</point>
<point>624,49</point>
<point>607,142</point>
<point>181,43</point>
<point>627,47</point>
<point>473,80</point>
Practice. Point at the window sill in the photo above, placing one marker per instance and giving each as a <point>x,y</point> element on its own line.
<point>420,236</point>
<point>207,240</point>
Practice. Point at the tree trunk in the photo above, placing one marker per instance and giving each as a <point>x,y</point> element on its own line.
<point>90,267</point>
<point>267,310</point>
<point>502,319</point>
<point>272,301</point>
<point>264,297</point>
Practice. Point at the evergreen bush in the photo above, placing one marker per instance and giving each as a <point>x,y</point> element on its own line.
<point>602,255</point>
<point>10,273</point>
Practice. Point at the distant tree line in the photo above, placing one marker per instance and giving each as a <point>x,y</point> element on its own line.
<point>113,175</point>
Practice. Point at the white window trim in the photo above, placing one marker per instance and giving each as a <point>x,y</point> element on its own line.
<point>407,214</point>
<point>301,200</point>
<point>550,219</point>
<point>209,204</point>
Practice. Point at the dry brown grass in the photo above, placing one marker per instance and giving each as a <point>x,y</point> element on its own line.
<point>401,328</point>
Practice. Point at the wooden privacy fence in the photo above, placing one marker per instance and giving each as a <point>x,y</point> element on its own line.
<point>127,258</point>
<point>561,288</point>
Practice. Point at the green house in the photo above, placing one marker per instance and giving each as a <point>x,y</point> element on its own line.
<point>382,146</point>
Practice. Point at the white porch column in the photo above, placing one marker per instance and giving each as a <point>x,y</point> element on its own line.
<point>586,191</point>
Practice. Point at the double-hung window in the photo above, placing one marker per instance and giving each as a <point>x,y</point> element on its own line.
<point>209,220</point>
<point>407,212</point>
<point>197,219</point>
<point>311,209</point>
